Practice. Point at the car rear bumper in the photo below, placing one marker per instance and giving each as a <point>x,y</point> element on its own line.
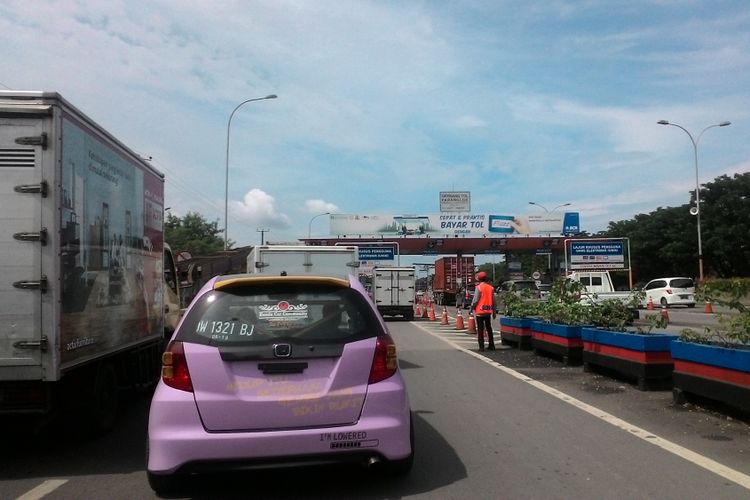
<point>677,300</point>
<point>179,443</point>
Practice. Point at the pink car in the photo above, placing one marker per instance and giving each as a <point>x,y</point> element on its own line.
<point>279,370</point>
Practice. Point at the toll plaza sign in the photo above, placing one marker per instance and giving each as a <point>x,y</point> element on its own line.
<point>610,253</point>
<point>455,201</point>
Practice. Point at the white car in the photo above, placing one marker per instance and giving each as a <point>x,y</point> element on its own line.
<point>667,292</point>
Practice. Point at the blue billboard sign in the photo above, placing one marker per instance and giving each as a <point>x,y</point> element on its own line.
<point>367,253</point>
<point>607,254</point>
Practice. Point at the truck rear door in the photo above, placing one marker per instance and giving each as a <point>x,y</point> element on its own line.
<point>22,191</point>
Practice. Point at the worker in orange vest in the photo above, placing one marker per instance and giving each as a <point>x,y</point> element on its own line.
<point>485,310</point>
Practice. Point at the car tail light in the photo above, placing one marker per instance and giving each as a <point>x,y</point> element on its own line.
<point>669,291</point>
<point>385,361</point>
<point>174,368</point>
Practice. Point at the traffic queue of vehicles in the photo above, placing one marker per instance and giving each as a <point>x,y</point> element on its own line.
<point>288,363</point>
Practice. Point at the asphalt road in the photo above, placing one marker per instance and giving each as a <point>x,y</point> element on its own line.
<point>507,425</point>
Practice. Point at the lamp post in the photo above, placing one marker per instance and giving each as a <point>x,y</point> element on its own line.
<point>263,234</point>
<point>309,226</point>
<point>545,208</point>
<point>697,185</point>
<point>549,255</point>
<point>226,175</point>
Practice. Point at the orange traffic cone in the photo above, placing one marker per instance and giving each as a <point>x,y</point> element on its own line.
<point>459,321</point>
<point>709,309</point>
<point>444,317</point>
<point>418,312</point>
<point>472,325</point>
<point>432,312</point>
<point>664,313</point>
<point>424,312</point>
<point>650,305</point>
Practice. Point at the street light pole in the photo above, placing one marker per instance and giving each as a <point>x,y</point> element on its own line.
<point>549,255</point>
<point>226,157</point>
<point>309,226</point>
<point>545,208</point>
<point>262,235</point>
<point>697,185</point>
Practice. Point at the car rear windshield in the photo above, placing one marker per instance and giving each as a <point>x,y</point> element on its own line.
<point>293,312</point>
<point>681,283</point>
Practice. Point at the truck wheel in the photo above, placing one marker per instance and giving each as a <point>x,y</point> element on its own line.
<point>100,408</point>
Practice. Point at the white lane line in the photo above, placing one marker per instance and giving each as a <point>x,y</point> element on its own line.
<point>43,489</point>
<point>689,455</point>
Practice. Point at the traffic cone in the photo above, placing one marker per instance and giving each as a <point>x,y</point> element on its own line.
<point>459,321</point>
<point>444,317</point>
<point>664,313</point>
<point>709,309</point>
<point>418,312</point>
<point>472,325</point>
<point>424,312</point>
<point>432,312</point>
<point>650,305</point>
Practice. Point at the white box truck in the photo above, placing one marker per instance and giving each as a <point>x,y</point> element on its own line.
<point>86,279</point>
<point>295,260</point>
<point>394,290</point>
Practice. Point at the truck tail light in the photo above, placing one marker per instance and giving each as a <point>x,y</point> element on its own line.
<point>174,368</point>
<point>385,361</point>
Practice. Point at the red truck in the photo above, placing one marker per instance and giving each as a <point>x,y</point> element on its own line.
<point>451,275</point>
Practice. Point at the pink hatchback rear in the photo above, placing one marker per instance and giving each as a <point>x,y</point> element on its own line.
<point>275,369</point>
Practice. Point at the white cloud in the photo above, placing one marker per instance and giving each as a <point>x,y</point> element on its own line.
<point>320,206</point>
<point>258,207</point>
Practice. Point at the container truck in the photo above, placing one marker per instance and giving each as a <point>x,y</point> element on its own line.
<point>87,284</point>
<point>393,291</point>
<point>452,274</point>
<point>337,261</point>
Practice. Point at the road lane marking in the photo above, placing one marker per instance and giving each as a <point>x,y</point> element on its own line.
<point>43,489</point>
<point>649,437</point>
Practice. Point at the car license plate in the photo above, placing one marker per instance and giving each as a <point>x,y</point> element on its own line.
<point>685,297</point>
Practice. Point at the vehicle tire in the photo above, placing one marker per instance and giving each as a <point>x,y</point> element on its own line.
<point>164,484</point>
<point>403,466</point>
<point>99,409</point>
<point>664,302</point>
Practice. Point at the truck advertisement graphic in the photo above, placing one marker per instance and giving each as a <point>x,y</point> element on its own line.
<point>110,247</point>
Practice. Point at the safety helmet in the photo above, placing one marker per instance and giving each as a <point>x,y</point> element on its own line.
<point>481,276</point>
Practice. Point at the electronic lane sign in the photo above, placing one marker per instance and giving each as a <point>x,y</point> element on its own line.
<point>604,254</point>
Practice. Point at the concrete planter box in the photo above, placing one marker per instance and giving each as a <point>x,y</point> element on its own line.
<point>646,358</point>
<point>711,371</point>
<point>558,340</point>
<point>516,331</point>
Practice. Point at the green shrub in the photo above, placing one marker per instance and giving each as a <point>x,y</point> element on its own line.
<point>734,328</point>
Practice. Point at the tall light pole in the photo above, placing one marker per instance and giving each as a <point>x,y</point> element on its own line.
<point>262,235</point>
<point>309,226</point>
<point>545,208</point>
<point>549,255</point>
<point>226,175</point>
<point>697,185</point>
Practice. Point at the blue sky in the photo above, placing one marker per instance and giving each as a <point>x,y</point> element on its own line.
<point>384,104</point>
